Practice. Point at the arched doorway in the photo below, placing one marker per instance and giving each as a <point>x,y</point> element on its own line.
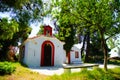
<point>47,54</point>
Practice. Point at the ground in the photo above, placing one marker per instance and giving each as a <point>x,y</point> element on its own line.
<point>48,73</point>
<point>59,70</point>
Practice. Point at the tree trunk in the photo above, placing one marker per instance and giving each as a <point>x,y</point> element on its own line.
<point>83,46</point>
<point>79,38</point>
<point>104,47</point>
<point>3,53</point>
<point>68,57</point>
<point>4,50</point>
<point>88,47</point>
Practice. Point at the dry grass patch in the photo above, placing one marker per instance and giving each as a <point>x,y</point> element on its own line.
<point>23,73</point>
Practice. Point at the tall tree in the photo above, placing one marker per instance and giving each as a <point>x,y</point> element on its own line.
<point>7,29</point>
<point>88,46</point>
<point>66,28</point>
<point>97,15</point>
<point>24,13</point>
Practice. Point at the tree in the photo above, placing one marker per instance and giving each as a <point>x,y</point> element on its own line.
<point>67,34</point>
<point>96,53</point>
<point>66,28</point>
<point>96,15</point>
<point>7,29</point>
<point>41,31</point>
<point>24,13</point>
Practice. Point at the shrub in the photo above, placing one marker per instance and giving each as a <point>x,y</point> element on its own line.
<point>6,68</point>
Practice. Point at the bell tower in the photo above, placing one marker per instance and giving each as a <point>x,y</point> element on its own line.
<point>47,30</point>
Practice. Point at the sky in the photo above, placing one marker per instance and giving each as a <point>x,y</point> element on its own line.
<point>5,14</point>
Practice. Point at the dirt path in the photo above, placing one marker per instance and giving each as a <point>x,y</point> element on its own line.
<point>59,70</point>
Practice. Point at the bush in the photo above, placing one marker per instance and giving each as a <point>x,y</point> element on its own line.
<point>6,68</point>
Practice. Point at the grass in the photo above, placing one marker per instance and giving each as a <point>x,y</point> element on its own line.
<point>96,74</point>
<point>23,73</point>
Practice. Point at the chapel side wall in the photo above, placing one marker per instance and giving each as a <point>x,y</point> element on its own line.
<point>72,54</point>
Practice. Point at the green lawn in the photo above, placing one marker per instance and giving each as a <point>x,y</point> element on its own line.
<point>23,73</point>
<point>96,74</point>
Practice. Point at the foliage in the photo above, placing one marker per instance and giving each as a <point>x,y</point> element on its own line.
<point>41,31</point>
<point>113,41</point>
<point>26,10</point>
<point>69,40</point>
<point>11,32</point>
<point>66,27</point>
<point>8,28</point>
<point>95,16</point>
<point>96,53</point>
<point>6,68</point>
<point>22,14</point>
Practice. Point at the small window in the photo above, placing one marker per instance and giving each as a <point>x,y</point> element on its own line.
<point>48,33</point>
<point>76,54</point>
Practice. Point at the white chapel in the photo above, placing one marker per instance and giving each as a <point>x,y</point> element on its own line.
<point>47,50</point>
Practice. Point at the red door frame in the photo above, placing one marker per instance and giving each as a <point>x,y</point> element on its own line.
<point>52,53</point>
<point>69,57</point>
